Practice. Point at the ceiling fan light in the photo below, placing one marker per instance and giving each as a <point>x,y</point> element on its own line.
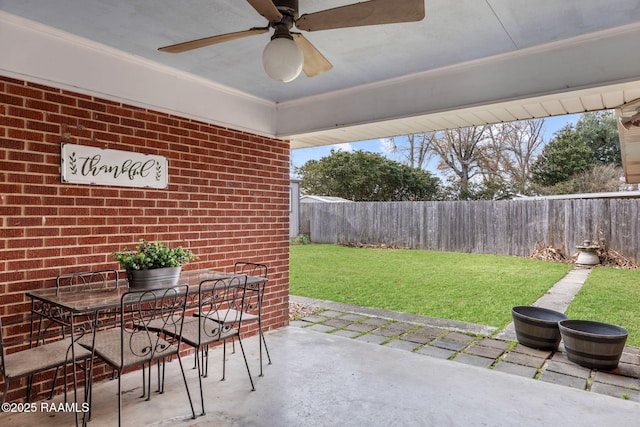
<point>282,59</point>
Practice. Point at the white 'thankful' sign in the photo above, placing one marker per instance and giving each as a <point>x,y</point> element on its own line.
<point>92,165</point>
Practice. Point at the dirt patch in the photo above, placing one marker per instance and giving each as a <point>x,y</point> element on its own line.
<point>371,245</point>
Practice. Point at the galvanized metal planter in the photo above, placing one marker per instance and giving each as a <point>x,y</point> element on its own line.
<point>593,344</point>
<point>537,327</point>
<point>154,278</point>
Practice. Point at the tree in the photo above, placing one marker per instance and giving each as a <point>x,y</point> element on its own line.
<point>564,156</point>
<point>461,152</point>
<point>517,144</point>
<point>599,132</point>
<point>482,162</point>
<point>600,178</point>
<point>590,151</point>
<point>417,149</point>
<point>366,176</point>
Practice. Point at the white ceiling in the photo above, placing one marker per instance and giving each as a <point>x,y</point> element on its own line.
<point>469,62</point>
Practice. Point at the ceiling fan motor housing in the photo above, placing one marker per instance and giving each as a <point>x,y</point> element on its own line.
<point>287,7</point>
<point>289,11</point>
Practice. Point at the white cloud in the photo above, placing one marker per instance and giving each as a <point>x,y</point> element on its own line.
<point>343,147</point>
<point>387,145</point>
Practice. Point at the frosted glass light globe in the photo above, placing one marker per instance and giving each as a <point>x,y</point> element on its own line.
<point>282,59</point>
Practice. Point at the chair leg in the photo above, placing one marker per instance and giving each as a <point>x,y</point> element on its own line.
<point>53,386</point>
<point>64,383</point>
<point>199,364</point>
<point>224,359</point>
<point>160,389</point>
<point>266,349</point>
<point>29,386</point>
<point>6,389</point>
<point>260,351</point>
<point>144,382</point>
<point>86,416</point>
<point>89,388</point>
<point>246,364</point>
<point>148,382</point>
<point>120,398</point>
<point>265,346</point>
<point>186,386</point>
<point>164,367</point>
<point>262,341</point>
<point>205,361</point>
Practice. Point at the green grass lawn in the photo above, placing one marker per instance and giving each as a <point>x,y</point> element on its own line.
<point>612,296</point>
<point>466,287</point>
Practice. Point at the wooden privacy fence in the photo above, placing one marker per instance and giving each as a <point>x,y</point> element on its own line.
<point>511,227</point>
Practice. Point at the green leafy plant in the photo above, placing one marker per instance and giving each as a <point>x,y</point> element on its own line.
<point>150,255</point>
<point>301,239</point>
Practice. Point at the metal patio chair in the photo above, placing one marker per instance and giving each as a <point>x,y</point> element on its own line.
<point>93,280</point>
<point>30,360</point>
<point>252,307</point>
<point>217,322</point>
<point>133,343</point>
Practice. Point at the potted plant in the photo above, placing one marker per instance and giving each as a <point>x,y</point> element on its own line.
<point>153,264</point>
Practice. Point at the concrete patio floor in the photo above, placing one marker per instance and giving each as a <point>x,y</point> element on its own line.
<point>319,379</point>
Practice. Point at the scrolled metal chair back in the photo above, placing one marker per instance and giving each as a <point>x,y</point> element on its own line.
<point>139,308</point>
<point>94,280</point>
<point>254,290</point>
<point>252,269</point>
<point>218,297</point>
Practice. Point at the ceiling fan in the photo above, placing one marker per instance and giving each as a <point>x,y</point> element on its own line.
<point>289,53</point>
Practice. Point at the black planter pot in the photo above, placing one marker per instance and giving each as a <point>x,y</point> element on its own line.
<point>155,278</point>
<point>537,327</point>
<point>593,344</point>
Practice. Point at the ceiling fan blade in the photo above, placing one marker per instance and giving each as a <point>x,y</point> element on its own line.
<point>207,41</point>
<point>314,62</point>
<point>267,9</point>
<point>372,12</point>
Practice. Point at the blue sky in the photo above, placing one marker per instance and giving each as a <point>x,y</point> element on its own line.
<point>301,156</point>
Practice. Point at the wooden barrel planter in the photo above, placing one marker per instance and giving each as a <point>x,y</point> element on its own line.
<point>537,327</point>
<point>593,344</point>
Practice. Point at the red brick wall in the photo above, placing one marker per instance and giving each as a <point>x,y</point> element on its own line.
<point>228,195</point>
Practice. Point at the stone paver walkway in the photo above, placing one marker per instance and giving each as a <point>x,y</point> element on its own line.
<point>478,345</point>
<point>557,298</point>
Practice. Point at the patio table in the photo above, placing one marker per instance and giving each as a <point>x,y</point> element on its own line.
<point>78,309</point>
